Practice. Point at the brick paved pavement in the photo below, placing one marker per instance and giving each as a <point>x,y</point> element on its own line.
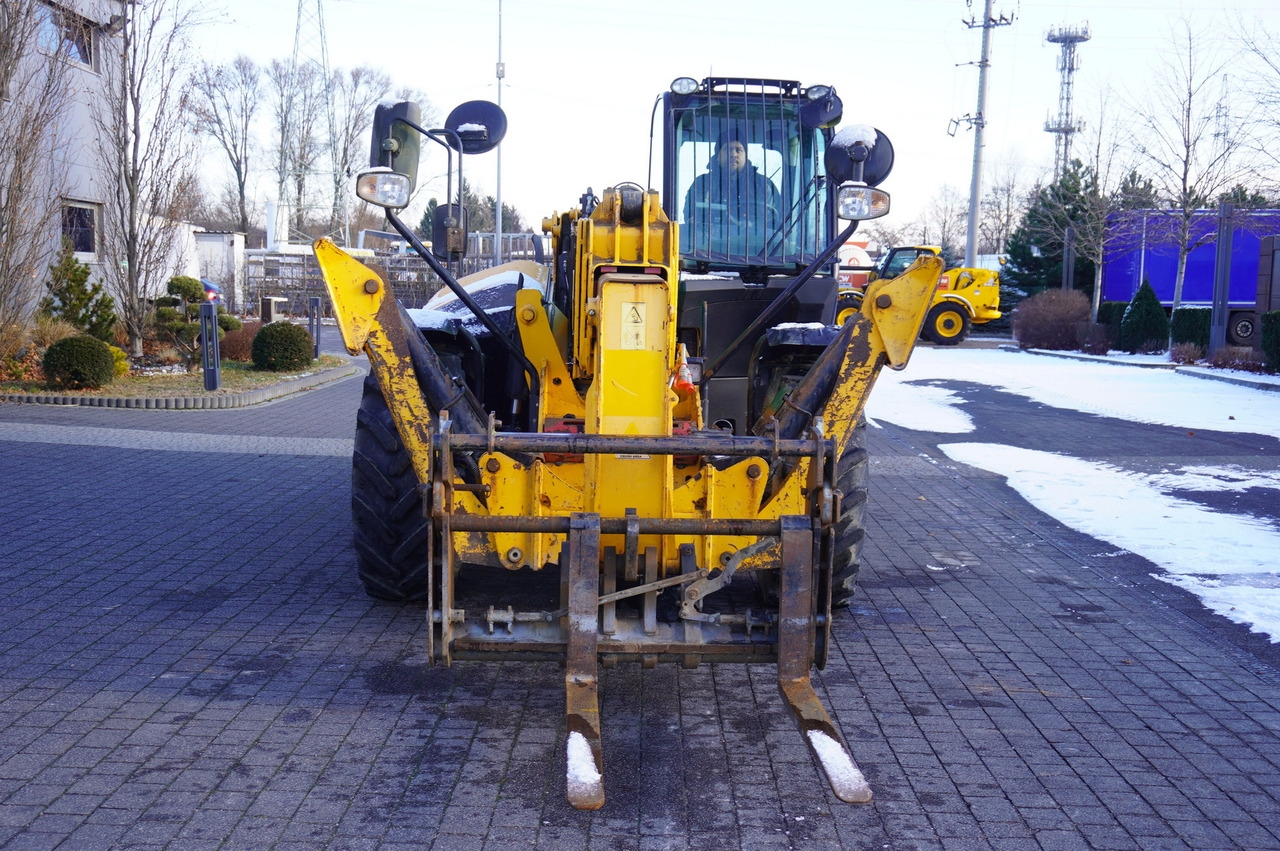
<point>186,662</point>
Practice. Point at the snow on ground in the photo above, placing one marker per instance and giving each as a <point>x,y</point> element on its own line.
<point>1155,396</point>
<point>1135,511</point>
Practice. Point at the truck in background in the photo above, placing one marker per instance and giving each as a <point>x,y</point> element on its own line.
<point>1145,250</point>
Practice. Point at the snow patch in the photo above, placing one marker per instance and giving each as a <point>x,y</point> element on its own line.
<point>855,133</point>
<point>918,407</point>
<point>583,778</point>
<point>1157,397</point>
<point>1131,510</point>
<point>789,326</point>
<point>846,780</point>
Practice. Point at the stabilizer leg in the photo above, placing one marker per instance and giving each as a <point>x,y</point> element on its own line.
<point>585,763</point>
<point>796,629</point>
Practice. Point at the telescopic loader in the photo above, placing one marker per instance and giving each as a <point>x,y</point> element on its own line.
<point>650,452</point>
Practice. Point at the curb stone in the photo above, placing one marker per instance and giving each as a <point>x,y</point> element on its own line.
<point>234,400</point>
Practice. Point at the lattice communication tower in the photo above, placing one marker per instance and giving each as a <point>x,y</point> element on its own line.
<point>1064,126</point>
<point>310,64</point>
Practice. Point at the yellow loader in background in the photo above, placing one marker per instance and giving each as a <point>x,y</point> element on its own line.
<point>963,297</point>
<point>651,452</point>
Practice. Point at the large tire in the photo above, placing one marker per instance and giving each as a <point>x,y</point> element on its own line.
<point>1241,327</point>
<point>851,479</point>
<point>847,304</point>
<point>391,533</point>
<point>947,324</point>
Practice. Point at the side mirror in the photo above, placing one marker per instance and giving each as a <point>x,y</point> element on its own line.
<point>395,143</point>
<point>859,152</point>
<point>449,232</point>
<point>480,126</point>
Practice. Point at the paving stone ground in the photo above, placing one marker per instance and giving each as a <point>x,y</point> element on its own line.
<point>187,662</point>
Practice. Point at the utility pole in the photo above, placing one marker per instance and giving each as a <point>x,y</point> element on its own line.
<point>978,122</point>
<point>497,213</point>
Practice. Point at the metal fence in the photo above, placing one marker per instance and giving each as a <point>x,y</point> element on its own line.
<point>295,278</point>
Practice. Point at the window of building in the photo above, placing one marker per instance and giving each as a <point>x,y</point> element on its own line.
<point>66,33</point>
<point>80,226</point>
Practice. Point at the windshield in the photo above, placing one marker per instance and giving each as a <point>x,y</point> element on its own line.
<point>749,182</point>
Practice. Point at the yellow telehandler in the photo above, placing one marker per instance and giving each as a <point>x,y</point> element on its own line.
<point>650,451</point>
<point>963,298</point>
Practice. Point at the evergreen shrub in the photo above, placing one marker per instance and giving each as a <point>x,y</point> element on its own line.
<point>79,363</point>
<point>74,300</point>
<point>282,346</point>
<point>1145,326</point>
<point>227,322</point>
<point>121,361</point>
<point>187,288</point>
<point>1048,320</point>
<point>1110,313</point>
<point>1270,342</point>
<point>1191,325</point>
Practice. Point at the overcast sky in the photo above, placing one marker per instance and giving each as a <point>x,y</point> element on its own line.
<point>581,77</point>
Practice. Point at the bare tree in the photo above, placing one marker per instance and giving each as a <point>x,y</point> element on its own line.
<point>943,223</point>
<point>1002,207</point>
<point>355,94</point>
<point>1262,81</point>
<point>300,136</point>
<point>227,99</point>
<point>147,154</point>
<point>1190,156</point>
<point>33,97</point>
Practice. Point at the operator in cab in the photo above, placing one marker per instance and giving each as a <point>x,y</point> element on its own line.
<point>732,195</point>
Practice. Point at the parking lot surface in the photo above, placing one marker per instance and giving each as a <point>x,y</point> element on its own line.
<point>187,662</point>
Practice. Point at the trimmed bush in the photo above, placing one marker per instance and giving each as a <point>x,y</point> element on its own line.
<point>1109,314</point>
<point>1191,325</point>
<point>186,288</point>
<point>282,346</point>
<point>1048,320</point>
<point>227,322</point>
<point>1145,326</point>
<point>1270,341</point>
<point>238,345</point>
<point>79,363</point>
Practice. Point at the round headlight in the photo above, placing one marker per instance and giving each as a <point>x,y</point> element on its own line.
<point>817,92</point>
<point>383,187</point>
<point>854,201</point>
<point>684,85</point>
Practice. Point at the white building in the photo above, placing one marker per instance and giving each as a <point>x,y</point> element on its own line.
<point>81,33</point>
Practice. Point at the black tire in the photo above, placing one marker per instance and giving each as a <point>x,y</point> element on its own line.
<point>1241,328</point>
<point>947,324</point>
<point>847,304</point>
<point>851,479</point>
<point>391,534</point>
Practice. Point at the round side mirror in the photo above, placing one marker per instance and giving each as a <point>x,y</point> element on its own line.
<point>479,124</point>
<point>859,143</point>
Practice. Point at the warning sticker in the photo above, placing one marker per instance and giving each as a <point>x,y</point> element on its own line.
<point>632,325</point>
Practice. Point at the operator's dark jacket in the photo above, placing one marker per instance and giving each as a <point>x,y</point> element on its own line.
<point>747,194</point>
